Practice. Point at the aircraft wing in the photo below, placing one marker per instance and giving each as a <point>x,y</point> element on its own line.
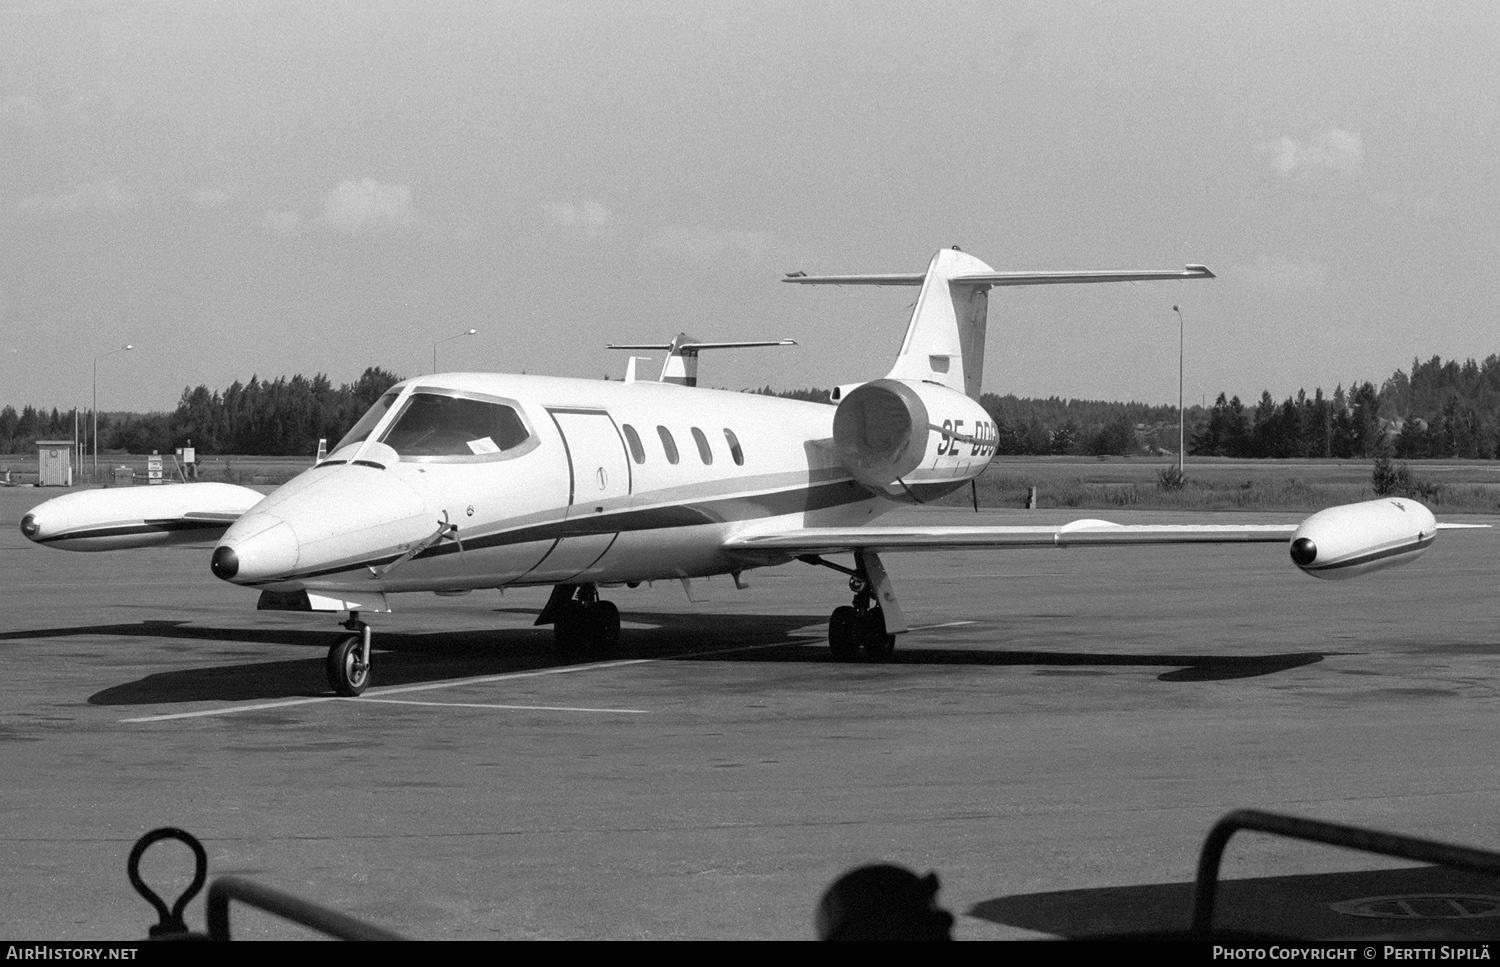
<point>1078,533</point>
<point>1333,544</point>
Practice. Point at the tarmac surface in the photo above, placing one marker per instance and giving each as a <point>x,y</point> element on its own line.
<point>1055,739</point>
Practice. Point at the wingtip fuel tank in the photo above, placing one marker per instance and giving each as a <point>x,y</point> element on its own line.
<point>119,518</point>
<point>1351,539</point>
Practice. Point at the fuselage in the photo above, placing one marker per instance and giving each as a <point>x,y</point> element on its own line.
<point>470,480</point>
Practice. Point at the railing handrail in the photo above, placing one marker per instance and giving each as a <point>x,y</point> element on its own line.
<point>1333,834</point>
<point>288,907</point>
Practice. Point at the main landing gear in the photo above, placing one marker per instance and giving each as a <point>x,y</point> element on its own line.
<point>349,660</point>
<point>581,620</point>
<point>870,624</point>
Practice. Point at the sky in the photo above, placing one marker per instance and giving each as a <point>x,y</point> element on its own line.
<point>271,188</point>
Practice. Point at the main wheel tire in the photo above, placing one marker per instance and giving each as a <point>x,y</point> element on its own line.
<point>843,637</point>
<point>605,620</point>
<point>348,673</point>
<point>878,645</point>
<point>570,629</point>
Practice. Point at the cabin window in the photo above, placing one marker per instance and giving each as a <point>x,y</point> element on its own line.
<point>704,453</point>
<point>437,425</point>
<point>637,452</point>
<point>734,447</point>
<point>367,422</point>
<point>668,445</point>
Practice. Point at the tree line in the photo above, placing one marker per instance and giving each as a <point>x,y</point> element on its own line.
<point>280,417</point>
<point>1440,409</point>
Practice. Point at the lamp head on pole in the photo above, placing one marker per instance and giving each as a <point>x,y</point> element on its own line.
<point>456,335</point>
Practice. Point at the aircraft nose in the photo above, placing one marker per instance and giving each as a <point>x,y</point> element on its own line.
<point>31,527</point>
<point>225,563</point>
<point>1304,551</point>
<point>268,553</point>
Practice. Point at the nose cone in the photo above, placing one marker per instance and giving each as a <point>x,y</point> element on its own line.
<point>271,552</point>
<point>1304,552</point>
<point>323,528</point>
<point>225,563</point>
<point>31,527</point>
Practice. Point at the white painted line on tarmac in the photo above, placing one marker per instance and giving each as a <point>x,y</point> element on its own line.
<point>378,695</point>
<point>819,632</point>
<point>518,708</point>
<point>226,711</point>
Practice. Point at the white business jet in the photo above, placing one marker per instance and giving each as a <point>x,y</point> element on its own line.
<point>461,481</point>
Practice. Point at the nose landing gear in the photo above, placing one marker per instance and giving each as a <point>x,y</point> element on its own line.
<point>349,660</point>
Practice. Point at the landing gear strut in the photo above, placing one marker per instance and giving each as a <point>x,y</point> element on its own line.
<point>349,660</point>
<point>580,619</point>
<point>864,625</point>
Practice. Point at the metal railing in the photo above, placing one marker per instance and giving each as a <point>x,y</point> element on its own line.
<point>1205,888</point>
<point>171,926</point>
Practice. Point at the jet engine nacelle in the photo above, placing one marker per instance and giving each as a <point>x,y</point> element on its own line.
<point>1353,539</point>
<point>883,429</point>
<point>121,517</point>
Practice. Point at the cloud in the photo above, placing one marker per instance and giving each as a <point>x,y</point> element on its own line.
<point>284,223</point>
<point>102,196</point>
<point>214,196</point>
<point>707,248</point>
<point>1336,152</point>
<point>19,111</point>
<point>366,207</point>
<point>353,208</point>
<point>1284,278</point>
<point>588,216</point>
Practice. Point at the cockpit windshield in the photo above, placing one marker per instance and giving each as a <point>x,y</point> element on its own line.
<point>367,422</point>
<point>435,425</point>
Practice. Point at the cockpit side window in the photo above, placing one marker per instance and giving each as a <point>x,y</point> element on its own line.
<point>434,425</point>
<point>367,422</point>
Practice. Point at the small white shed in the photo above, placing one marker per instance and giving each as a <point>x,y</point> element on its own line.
<point>54,460</point>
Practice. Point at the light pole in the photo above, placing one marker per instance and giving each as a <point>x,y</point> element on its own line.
<point>1181,450</point>
<point>456,335</point>
<point>125,348</point>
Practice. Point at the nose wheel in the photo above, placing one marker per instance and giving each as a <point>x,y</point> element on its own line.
<point>349,660</point>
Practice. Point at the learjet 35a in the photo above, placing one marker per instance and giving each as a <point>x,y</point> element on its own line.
<point>461,481</point>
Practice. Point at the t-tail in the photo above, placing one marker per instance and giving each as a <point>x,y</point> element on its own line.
<point>920,432</point>
<point>944,341</point>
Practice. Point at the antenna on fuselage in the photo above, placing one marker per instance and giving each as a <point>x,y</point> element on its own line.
<point>681,366</point>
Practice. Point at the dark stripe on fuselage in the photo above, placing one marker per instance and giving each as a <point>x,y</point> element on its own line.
<point>143,527</point>
<point>1421,543</point>
<point>719,511</point>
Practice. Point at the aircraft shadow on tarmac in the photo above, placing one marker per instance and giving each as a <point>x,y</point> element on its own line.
<point>1411,903</point>
<point>409,658</point>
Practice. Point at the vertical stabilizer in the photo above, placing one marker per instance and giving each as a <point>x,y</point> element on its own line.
<point>945,339</point>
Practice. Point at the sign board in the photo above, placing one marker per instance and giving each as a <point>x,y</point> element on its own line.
<point>153,468</point>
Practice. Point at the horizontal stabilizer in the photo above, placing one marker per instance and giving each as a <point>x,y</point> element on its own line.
<point>1008,278</point>
<point>682,355</point>
<point>695,346</point>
